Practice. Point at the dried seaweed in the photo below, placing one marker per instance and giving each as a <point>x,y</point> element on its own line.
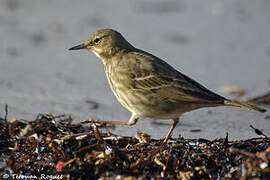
<point>52,146</point>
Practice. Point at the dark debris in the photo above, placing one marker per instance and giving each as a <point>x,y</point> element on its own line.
<point>52,145</point>
<point>264,99</point>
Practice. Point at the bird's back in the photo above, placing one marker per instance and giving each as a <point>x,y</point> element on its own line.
<point>150,72</point>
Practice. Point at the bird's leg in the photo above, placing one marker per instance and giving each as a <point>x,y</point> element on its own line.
<point>133,119</point>
<point>175,121</point>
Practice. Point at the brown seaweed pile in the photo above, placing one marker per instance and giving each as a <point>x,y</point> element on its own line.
<point>52,147</point>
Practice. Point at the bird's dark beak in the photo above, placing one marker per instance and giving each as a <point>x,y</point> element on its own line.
<point>81,46</point>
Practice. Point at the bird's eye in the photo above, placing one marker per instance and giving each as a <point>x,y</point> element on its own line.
<point>97,40</point>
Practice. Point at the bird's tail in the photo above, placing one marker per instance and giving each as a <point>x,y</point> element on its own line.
<point>243,105</point>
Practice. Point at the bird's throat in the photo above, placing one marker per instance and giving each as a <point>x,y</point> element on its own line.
<point>97,54</point>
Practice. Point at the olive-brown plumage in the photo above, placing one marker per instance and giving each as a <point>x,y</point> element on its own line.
<point>148,86</point>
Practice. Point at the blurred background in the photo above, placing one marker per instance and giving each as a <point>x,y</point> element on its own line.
<point>218,43</point>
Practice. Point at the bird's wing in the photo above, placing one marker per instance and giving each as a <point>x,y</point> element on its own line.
<point>152,73</point>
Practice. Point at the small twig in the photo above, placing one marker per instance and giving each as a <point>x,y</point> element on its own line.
<point>86,148</point>
<point>75,135</point>
<point>87,121</point>
<point>138,162</point>
<point>226,140</point>
<point>109,133</point>
<point>248,154</point>
<point>158,162</point>
<point>263,99</point>
<point>70,161</point>
<point>257,131</point>
<point>97,133</point>
<point>6,112</point>
<point>262,169</point>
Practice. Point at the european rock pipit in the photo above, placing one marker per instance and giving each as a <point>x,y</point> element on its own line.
<point>148,86</point>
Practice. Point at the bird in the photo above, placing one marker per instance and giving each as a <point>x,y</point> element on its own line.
<point>147,85</point>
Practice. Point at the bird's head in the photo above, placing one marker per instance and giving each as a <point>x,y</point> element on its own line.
<point>104,43</point>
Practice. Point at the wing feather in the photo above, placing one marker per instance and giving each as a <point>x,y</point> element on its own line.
<point>155,74</point>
